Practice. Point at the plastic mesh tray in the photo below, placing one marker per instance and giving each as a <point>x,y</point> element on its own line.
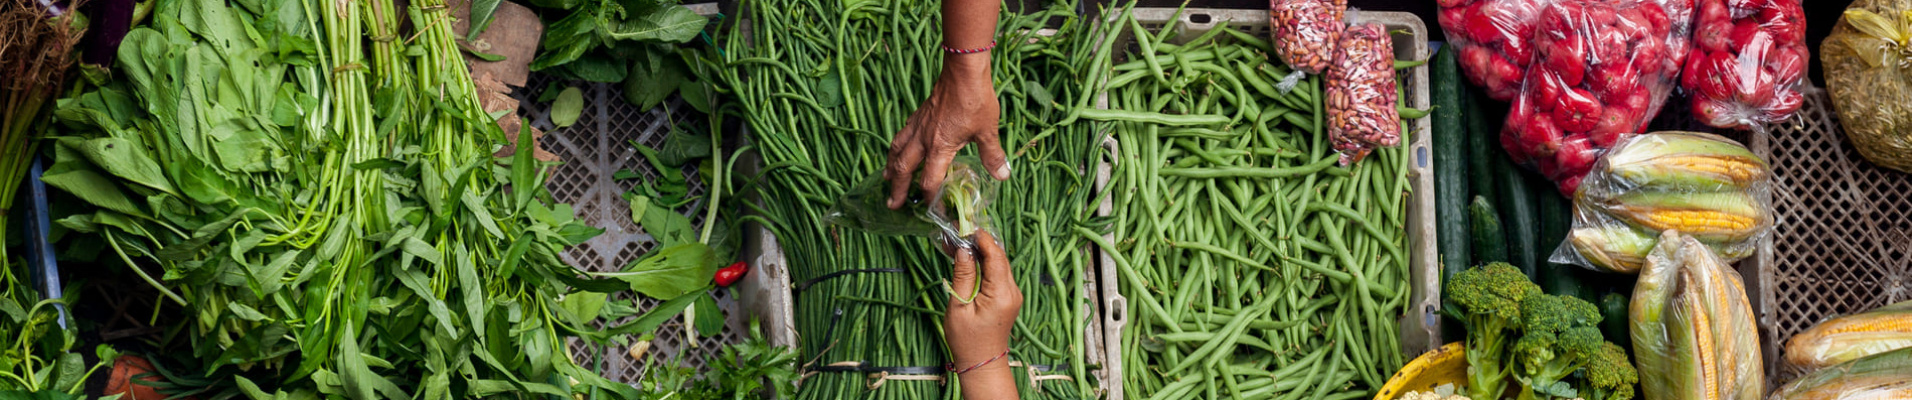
<point>594,149</point>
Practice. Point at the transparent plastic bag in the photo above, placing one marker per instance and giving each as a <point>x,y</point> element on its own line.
<point>1305,31</point>
<point>1361,94</point>
<point>1748,62</point>
<point>1692,327</point>
<point>1601,70</point>
<point>1849,337</point>
<point>1864,59</point>
<point>1699,184</point>
<point>1882,376</point>
<point>1493,38</point>
<point>954,214</point>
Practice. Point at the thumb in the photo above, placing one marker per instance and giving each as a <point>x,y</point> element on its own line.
<point>993,158</point>
<point>963,279</point>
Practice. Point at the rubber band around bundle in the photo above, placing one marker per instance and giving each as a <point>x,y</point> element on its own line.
<point>806,284</point>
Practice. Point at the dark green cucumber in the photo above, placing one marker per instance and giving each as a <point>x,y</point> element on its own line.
<point>1490,242</point>
<point>1483,145</point>
<point>1556,218</point>
<point>1613,320</point>
<point>1450,166</point>
<point>1519,216</point>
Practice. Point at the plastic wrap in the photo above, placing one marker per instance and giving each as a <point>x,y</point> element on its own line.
<point>953,214</point>
<point>1305,31</point>
<point>1601,71</point>
<point>1851,337</point>
<point>1883,376</point>
<point>1699,184</point>
<point>1865,61</point>
<point>1693,331</point>
<point>1361,95</point>
<point>1748,62</point>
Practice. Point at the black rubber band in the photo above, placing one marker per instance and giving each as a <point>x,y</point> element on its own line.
<point>806,284</point>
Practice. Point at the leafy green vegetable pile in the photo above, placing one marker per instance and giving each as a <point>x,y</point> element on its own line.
<point>821,88</point>
<point>613,41</point>
<point>314,182</point>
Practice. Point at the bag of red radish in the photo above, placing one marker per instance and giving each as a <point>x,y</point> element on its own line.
<point>1495,38</point>
<point>1601,70</point>
<point>1748,62</point>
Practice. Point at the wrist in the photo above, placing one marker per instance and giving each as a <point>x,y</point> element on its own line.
<point>968,66</point>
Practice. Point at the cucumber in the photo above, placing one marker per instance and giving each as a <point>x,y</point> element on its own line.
<point>1490,245</point>
<point>1450,165</point>
<point>1556,219</point>
<point>1519,215</point>
<point>1483,145</point>
<point>1613,320</point>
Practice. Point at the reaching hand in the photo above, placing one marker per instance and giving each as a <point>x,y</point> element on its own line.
<point>978,328</point>
<point>961,108</point>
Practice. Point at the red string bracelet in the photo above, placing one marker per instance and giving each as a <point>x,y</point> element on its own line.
<point>952,365</point>
<point>953,50</point>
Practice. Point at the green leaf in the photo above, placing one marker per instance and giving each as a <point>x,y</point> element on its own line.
<point>245,312</point>
<point>378,163</point>
<point>90,186</point>
<point>422,250</point>
<point>1039,94</point>
<point>596,67</point>
<point>474,52</point>
<point>524,171</point>
<point>710,319</point>
<point>568,107</point>
<point>481,15</point>
<point>584,306</point>
<point>697,94</point>
<point>550,92</point>
<point>666,226</point>
<point>251,390</point>
<point>829,89</point>
<point>681,147</point>
<point>127,160</point>
<point>653,79</point>
<point>657,316</point>
<point>672,24</point>
<point>671,271</point>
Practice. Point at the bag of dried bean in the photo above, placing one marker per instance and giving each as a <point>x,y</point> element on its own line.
<point>1601,70</point>
<point>1748,63</point>
<point>1361,95</point>
<point>1305,31</point>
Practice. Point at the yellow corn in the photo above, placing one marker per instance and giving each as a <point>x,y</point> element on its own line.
<point>1733,168</point>
<point>1703,346</point>
<point>1852,336</point>
<point>1698,222</point>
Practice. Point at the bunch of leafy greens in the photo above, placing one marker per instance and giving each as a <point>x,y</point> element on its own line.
<point>37,355</point>
<point>315,183</point>
<point>743,370</point>
<point>616,41</point>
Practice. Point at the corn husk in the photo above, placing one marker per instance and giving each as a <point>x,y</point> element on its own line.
<point>1851,337</point>
<point>1698,184</point>
<point>1692,327</point>
<point>1880,376</point>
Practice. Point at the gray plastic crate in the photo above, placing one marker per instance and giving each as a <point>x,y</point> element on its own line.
<point>1420,325</point>
<point>593,150</point>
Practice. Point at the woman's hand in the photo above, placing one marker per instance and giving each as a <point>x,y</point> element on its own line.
<point>978,328</point>
<point>961,108</point>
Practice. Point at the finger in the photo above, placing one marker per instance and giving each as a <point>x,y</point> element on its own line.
<point>936,167</point>
<point>902,168</point>
<point>963,279</point>
<point>993,158</point>
<point>995,268</point>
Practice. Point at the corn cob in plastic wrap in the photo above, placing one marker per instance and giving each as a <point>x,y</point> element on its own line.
<point>1692,326</point>
<point>1698,184</point>
<point>1880,376</point>
<point>1851,337</point>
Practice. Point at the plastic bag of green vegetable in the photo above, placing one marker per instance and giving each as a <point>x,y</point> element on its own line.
<point>953,214</point>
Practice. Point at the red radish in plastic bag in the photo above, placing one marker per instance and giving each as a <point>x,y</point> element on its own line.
<point>1494,39</point>
<point>1305,31</point>
<point>1360,93</point>
<point>1749,64</point>
<point>1601,70</point>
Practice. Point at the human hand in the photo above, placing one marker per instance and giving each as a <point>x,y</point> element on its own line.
<point>977,328</point>
<point>961,108</point>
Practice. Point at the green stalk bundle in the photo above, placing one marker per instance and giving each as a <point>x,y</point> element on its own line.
<point>821,88</point>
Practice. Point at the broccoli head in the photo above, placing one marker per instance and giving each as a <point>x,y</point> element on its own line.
<point>1487,300</point>
<point>1560,335</point>
<point>1610,375</point>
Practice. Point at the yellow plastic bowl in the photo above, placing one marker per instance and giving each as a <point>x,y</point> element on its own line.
<point>1444,365</point>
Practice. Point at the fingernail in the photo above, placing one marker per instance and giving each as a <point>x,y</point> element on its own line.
<point>1002,172</point>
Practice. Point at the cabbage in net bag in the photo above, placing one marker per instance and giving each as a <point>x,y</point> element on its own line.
<point>1601,71</point>
<point>1698,184</point>
<point>1692,327</point>
<point>1866,61</point>
<point>954,214</point>
<point>1748,62</point>
<point>1882,376</point>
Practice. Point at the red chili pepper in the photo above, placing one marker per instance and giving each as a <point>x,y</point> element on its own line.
<point>731,274</point>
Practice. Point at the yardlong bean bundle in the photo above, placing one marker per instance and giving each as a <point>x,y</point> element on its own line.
<point>1253,268</point>
<point>822,87</point>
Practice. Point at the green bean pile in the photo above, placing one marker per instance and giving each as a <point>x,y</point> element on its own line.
<point>821,87</point>
<point>1253,267</point>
